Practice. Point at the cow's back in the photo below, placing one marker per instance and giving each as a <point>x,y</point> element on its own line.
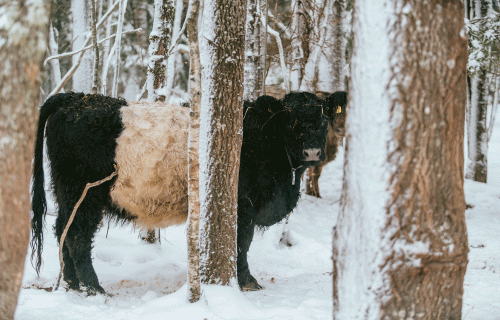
<point>152,163</point>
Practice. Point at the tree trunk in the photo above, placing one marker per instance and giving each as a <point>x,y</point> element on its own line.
<point>193,160</point>
<point>95,80</point>
<point>221,121</point>
<point>401,233</point>
<point>477,131</point>
<point>339,46</point>
<point>24,31</point>
<point>82,78</point>
<point>159,43</point>
<point>54,50</point>
<point>255,49</point>
<point>171,68</point>
<point>298,43</point>
<point>118,46</point>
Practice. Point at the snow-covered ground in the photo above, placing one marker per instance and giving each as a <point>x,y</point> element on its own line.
<point>149,281</point>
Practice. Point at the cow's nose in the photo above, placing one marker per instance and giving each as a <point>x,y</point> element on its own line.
<point>312,154</point>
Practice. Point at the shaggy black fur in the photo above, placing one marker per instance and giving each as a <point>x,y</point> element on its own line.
<point>266,192</point>
<point>81,141</point>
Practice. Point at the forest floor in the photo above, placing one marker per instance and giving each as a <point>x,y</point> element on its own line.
<point>149,281</point>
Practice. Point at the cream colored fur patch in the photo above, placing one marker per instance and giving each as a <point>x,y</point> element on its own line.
<point>151,155</point>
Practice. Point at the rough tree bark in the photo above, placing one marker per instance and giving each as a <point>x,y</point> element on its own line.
<point>255,49</point>
<point>24,27</point>
<point>401,233</point>
<point>159,43</point>
<point>221,120</point>
<point>193,149</point>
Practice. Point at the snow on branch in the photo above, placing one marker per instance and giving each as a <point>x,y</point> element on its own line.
<point>71,71</point>
<point>68,54</point>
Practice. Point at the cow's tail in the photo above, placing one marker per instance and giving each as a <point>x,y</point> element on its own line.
<point>38,201</point>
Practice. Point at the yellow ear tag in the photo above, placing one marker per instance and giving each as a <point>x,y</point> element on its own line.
<point>339,109</point>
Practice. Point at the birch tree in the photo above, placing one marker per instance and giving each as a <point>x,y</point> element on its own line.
<point>297,46</point>
<point>400,245</point>
<point>480,67</point>
<point>338,76</point>
<point>221,120</point>
<point>193,158</point>
<point>23,44</point>
<point>159,44</point>
<point>81,12</point>
<point>255,49</point>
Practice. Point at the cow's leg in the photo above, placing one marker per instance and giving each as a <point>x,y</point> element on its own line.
<point>245,235</point>
<point>313,174</point>
<point>78,269</point>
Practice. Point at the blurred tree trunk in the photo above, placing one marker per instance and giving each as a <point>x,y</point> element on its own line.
<point>298,44</point>
<point>402,233</point>
<point>193,160</point>
<point>221,121</point>
<point>171,68</point>
<point>159,43</point>
<point>81,12</point>
<point>477,132</point>
<point>339,46</point>
<point>255,49</point>
<point>24,29</point>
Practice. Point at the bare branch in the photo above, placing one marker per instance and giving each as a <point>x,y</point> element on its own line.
<point>282,57</point>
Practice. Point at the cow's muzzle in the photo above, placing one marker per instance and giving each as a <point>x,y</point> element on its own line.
<point>312,154</point>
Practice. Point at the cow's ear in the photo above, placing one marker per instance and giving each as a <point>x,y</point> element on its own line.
<point>272,104</point>
<point>336,103</point>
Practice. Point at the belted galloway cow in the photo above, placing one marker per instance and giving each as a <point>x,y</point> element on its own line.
<point>90,136</point>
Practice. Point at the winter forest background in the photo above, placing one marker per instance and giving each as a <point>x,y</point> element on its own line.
<point>143,53</point>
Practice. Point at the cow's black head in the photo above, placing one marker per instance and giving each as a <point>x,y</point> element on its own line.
<point>336,106</point>
<point>304,128</point>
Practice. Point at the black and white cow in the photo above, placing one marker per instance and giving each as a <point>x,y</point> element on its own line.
<point>89,136</point>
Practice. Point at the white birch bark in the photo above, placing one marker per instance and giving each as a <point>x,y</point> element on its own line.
<point>171,68</point>
<point>54,50</point>
<point>159,44</point>
<point>297,56</point>
<point>193,225</point>
<point>255,49</point>
<point>118,44</point>
<point>82,78</point>
<point>310,78</point>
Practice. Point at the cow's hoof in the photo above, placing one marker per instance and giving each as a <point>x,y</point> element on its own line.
<point>92,291</point>
<point>251,286</point>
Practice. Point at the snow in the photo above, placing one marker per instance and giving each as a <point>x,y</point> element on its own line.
<point>148,281</point>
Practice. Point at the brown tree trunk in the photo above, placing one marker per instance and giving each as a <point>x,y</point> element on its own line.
<point>24,34</point>
<point>193,160</point>
<point>221,128</point>
<point>401,232</point>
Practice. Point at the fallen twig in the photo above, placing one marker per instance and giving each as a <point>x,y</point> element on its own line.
<point>68,224</point>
